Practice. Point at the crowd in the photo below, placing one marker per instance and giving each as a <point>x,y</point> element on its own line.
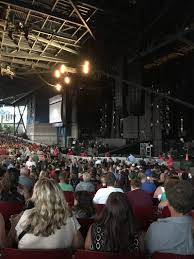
<point>128,207</point>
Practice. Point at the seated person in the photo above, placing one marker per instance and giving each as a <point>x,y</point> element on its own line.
<point>46,225</point>
<point>114,229</point>
<point>83,205</point>
<point>25,186</point>
<point>86,185</point>
<point>160,192</point>
<point>74,179</point>
<point>3,239</point>
<point>174,234</point>
<point>102,183</point>
<point>141,202</point>
<point>102,194</point>
<point>8,187</point>
<point>148,184</point>
<point>64,182</point>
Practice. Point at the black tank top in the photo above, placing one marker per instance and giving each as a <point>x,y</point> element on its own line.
<point>99,242</point>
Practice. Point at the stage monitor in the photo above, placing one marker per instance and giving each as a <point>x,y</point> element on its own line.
<point>55,109</point>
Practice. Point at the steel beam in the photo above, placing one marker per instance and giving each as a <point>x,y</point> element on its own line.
<point>26,63</point>
<point>81,18</point>
<point>34,65</point>
<point>23,45</point>
<point>148,90</point>
<point>6,17</point>
<point>43,40</point>
<point>56,2</point>
<point>21,121</point>
<point>80,27</point>
<point>26,55</point>
<point>186,41</point>
<point>45,21</point>
<point>59,35</point>
<point>169,40</point>
<point>24,24</point>
<point>40,11</point>
<point>53,44</point>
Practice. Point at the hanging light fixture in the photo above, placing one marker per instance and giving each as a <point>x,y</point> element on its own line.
<point>57,73</point>
<point>58,87</point>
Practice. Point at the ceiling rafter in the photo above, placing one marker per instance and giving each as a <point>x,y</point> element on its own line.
<point>39,10</point>
<point>81,18</point>
<point>6,17</point>
<point>37,30</point>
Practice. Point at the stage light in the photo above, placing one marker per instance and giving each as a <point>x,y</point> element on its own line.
<point>86,67</point>
<point>57,73</point>
<point>67,80</point>
<point>58,87</point>
<point>63,69</point>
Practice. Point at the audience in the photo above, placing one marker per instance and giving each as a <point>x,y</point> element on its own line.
<point>174,234</point>
<point>64,182</point>
<point>47,218</point>
<point>3,238</point>
<point>46,225</point>
<point>74,179</point>
<point>141,203</point>
<point>86,185</point>
<point>102,194</point>
<point>148,183</point>
<point>30,163</point>
<point>83,206</point>
<point>8,187</point>
<point>114,229</point>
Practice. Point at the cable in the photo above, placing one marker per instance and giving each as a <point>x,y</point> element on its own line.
<point>43,79</point>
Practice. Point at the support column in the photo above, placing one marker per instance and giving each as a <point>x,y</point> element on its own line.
<point>38,127</point>
<point>157,131</point>
<point>74,121</point>
<point>14,129</point>
<point>118,99</point>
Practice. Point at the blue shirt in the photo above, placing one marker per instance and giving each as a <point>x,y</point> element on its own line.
<point>171,235</point>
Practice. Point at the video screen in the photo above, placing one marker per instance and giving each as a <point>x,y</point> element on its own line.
<point>55,104</point>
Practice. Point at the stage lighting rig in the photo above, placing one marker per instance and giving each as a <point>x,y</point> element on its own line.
<point>7,71</point>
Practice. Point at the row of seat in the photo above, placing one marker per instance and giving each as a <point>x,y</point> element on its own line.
<point>11,253</point>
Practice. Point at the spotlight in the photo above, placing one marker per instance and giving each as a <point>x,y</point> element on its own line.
<point>86,67</point>
<point>63,69</point>
<point>86,63</point>
<point>58,87</point>
<point>57,73</point>
<point>67,80</point>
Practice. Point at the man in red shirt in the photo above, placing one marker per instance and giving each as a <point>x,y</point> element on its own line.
<point>141,203</point>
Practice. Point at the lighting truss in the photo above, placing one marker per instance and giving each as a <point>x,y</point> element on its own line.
<point>39,34</point>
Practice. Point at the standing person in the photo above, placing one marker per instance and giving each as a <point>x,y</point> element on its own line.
<point>46,225</point>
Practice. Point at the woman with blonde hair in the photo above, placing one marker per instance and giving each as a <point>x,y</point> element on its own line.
<point>49,225</point>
